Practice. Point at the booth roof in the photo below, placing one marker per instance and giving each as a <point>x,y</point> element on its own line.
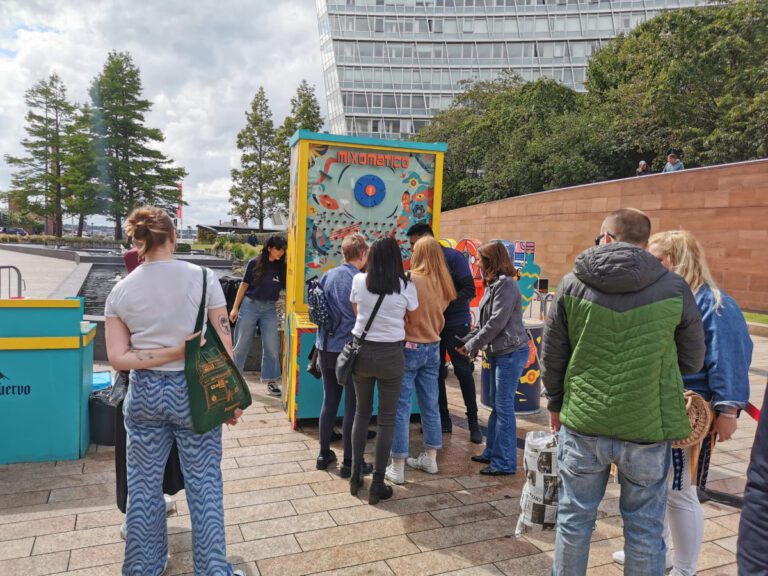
<point>360,141</point>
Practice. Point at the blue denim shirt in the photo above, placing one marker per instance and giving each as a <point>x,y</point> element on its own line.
<point>337,286</point>
<point>725,377</point>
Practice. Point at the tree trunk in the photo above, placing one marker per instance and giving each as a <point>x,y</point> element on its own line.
<point>118,227</point>
<point>80,225</point>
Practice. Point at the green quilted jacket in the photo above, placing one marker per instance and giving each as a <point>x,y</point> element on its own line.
<point>620,332</point>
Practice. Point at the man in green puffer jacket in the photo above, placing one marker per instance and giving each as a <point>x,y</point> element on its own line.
<point>620,332</point>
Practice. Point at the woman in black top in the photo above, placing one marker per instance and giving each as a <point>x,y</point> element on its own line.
<point>256,306</point>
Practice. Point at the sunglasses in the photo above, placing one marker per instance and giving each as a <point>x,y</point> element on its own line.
<point>600,237</point>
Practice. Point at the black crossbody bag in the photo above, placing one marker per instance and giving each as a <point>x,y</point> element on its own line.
<point>345,363</point>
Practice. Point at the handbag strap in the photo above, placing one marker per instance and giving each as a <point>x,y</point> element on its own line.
<point>373,315</point>
<point>201,310</point>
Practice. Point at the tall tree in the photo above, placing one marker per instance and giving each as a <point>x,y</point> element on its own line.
<point>84,191</point>
<point>304,115</point>
<point>131,167</point>
<point>36,186</point>
<point>253,194</point>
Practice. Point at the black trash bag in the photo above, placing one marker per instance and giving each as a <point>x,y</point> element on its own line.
<point>173,480</point>
<point>101,412</point>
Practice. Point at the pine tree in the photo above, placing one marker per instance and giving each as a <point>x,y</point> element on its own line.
<point>36,186</point>
<point>134,172</point>
<point>304,115</point>
<point>84,191</point>
<point>254,185</point>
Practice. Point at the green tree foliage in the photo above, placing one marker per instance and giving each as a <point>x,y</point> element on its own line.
<point>304,115</point>
<point>131,167</point>
<point>693,81</point>
<point>84,191</point>
<point>37,184</point>
<point>254,194</point>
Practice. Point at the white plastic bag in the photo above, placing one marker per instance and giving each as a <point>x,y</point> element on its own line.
<point>538,502</point>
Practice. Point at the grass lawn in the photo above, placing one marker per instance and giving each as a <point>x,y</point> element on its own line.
<point>197,246</point>
<point>756,317</point>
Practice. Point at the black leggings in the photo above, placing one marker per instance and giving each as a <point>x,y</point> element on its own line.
<point>462,368</point>
<point>331,398</point>
<point>382,363</point>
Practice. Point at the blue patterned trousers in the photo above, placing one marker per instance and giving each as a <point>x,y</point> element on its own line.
<point>156,411</point>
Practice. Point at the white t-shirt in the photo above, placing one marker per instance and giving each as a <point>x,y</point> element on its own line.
<point>159,301</point>
<point>389,323</point>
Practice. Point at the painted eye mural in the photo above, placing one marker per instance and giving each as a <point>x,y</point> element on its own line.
<point>374,192</point>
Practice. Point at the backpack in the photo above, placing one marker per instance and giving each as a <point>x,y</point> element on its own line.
<point>319,311</point>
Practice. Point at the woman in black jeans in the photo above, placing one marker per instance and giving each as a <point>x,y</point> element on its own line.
<point>381,356</point>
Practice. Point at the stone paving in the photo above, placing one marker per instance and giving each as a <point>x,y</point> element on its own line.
<point>285,518</point>
<point>42,275</point>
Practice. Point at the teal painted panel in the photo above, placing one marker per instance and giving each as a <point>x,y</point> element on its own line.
<point>37,322</point>
<point>360,141</point>
<point>86,386</point>
<point>41,405</point>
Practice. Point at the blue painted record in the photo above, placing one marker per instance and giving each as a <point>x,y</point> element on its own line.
<point>370,191</point>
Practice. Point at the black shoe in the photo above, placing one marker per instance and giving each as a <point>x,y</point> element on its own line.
<point>371,434</point>
<point>481,459</point>
<point>335,437</point>
<point>488,471</point>
<point>324,461</point>
<point>446,424</point>
<point>345,471</point>
<point>356,478</point>
<point>475,435</point>
<point>379,490</point>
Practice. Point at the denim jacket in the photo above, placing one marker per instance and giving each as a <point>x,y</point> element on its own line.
<point>725,376</point>
<point>500,328</point>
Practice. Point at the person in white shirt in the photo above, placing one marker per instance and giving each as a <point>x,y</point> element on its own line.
<point>150,315</point>
<point>380,360</point>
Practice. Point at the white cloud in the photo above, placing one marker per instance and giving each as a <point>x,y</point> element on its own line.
<point>201,63</point>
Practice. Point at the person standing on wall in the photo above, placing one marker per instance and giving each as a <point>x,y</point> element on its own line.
<point>620,332</point>
<point>149,316</point>
<point>724,381</point>
<point>256,307</point>
<point>380,363</point>
<point>457,325</point>
<point>337,287</point>
<point>501,334</point>
<point>435,290</point>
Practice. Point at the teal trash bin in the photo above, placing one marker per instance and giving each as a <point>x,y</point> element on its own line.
<point>46,368</point>
<point>528,397</point>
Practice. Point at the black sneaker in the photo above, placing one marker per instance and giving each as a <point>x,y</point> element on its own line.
<point>335,437</point>
<point>446,425</point>
<point>274,389</point>
<point>324,461</point>
<point>371,434</point>
<point>345,470</point>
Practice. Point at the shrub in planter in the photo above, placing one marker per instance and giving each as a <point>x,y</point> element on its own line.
<point>183,248</point>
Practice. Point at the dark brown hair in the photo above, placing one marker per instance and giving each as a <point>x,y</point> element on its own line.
<point>496,262</point>
<point>629,225</point>
<point>150,227</point>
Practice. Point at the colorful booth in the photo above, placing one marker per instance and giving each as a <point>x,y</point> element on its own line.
<point>343,185</point>
<point>46,371</point>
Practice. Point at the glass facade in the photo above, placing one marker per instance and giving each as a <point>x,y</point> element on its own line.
<point>390,65</point>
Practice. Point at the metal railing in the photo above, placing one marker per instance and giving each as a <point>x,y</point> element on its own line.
<point>6,287</point>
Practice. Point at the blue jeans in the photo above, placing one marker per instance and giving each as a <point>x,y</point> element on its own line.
<point>261,313</point>
<point>422,366</point>
<point>585,465</point>
<point>501,440</point>
<point>156,411</point>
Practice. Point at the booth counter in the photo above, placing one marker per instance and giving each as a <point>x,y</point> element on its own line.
<point>46,372</point>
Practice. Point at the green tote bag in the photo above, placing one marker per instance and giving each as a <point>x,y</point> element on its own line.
<point>216,387</point>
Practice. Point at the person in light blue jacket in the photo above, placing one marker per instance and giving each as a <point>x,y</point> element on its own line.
<point>724,381</point>
<point>673,164</point>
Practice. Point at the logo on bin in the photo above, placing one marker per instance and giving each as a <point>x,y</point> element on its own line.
<point>11,389</point>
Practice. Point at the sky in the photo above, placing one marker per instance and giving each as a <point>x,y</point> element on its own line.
<point>201,63</point>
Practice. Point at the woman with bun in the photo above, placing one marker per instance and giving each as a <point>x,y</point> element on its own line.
<point>150,315</point>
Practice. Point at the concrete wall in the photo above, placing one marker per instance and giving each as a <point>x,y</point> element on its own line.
<point>726,207</point>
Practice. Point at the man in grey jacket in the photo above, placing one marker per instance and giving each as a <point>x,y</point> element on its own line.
<point>619,333</point>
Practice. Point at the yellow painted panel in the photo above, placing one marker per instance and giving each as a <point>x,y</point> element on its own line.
<point>23,303</point>
<point>40,343</point>
<point>88,338</point>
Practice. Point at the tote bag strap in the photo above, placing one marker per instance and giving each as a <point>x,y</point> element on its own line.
<point>201,311</point>
<point>373,315</point>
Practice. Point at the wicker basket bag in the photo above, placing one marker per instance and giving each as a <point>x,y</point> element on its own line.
<point>701,416</point>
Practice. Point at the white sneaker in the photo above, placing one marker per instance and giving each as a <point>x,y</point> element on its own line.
<point>395,474</point>
<point>238,573</point>
<point>169,503</point>
<point>274,388</point>
<point>618,557</point>
<point>423,462</point>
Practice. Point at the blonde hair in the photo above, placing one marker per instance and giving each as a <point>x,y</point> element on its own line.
<point>150,227</point>
<point>688,260</point>
<point>428,261</point>
<point>353,247</point>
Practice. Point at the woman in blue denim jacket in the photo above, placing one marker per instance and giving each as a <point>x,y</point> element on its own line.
<point>501,334</point>
<point>724,381</point>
